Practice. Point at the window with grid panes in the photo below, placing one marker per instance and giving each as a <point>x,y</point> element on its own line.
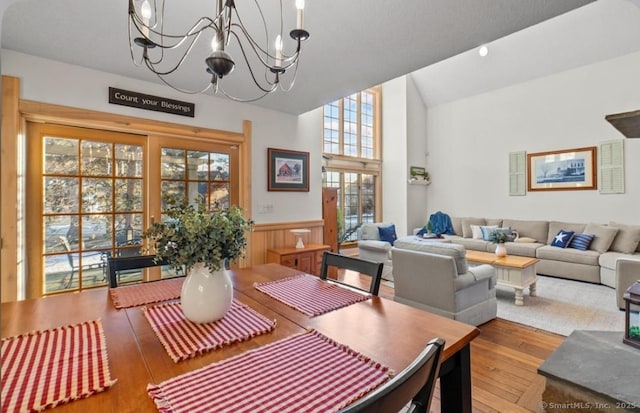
<point>351,140</point>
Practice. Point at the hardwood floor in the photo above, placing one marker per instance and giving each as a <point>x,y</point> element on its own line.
<point>504,363</point>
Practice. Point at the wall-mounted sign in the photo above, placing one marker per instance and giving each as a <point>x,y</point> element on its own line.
<point>149,102</point>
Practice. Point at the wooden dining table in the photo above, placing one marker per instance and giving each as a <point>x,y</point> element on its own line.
<point>390,333</point>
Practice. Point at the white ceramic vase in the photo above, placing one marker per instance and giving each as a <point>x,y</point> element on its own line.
<point>501,250</point>
<point>206,296</point>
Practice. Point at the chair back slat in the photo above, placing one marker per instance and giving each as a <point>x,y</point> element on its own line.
<point>414,384</point>
<point>117,264</point>
<point>370,268</point>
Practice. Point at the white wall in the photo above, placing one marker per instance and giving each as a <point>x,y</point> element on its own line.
<point>394,153</point>
<point>470,139</point>
<point>417,155</point>
<point>58,83</point>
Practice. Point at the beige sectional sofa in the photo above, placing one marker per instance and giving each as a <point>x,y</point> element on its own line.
<point>598,264</point>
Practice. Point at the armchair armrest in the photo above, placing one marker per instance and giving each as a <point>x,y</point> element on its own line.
<point>475,275</point>
<point>374,245</point>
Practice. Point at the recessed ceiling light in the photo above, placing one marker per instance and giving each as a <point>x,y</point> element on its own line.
<point>483,51</point>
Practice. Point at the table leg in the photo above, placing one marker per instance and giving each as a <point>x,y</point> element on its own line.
<point>519,296</point>
<point>455,382</point>
<point>532,290</point>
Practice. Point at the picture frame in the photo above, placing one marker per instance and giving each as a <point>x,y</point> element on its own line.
<point>287,170</point>
<point>563,170</point>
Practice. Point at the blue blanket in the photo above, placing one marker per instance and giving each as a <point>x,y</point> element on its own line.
<point>441,223</point>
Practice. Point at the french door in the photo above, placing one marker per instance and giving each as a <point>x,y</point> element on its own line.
<point>91,194</point>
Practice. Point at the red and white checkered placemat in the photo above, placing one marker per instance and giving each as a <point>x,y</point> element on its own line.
<point>183,339</point>
<point>46,368</point>
<point>304,373</point>
<point>310,295</point>
<point>145,293</point>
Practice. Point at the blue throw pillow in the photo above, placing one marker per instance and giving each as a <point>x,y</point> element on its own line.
<point>388,234</point>
<point>582,241</point>
<point>563,239</point>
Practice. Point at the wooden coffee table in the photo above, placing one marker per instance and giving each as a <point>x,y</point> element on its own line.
<point>512,271</point>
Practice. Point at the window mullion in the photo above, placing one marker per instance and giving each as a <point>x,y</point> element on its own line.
<point>359,125</point>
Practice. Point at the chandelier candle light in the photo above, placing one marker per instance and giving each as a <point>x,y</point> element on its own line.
<point>163,52</point>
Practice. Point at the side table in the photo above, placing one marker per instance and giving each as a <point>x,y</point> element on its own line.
<point>307,259</point>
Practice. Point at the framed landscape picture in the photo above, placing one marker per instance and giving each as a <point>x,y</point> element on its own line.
<point>287,170</point>
<point>570,169</point>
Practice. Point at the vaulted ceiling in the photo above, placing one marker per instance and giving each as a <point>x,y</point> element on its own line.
<point>353,45</point>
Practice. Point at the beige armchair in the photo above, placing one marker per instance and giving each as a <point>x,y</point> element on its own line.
<point>437,278</point>
<point>371,248</point>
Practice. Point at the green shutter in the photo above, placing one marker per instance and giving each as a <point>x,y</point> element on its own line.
<point>517,173</point>
<point>611,167</point>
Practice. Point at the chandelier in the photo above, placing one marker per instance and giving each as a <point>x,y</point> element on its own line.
<point>165,53</point>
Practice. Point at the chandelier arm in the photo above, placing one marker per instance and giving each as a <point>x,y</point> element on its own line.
<point>150,63</point>
<point>293,80</point>
<point>264,25</point>
<point>189,92</point>
<point>235,99</point>
<point>244,55</point>
<point>259,51</point>
<point>133,59</point>
<point>193,32</point>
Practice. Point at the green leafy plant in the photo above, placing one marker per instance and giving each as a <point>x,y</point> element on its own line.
<point>498,237</point>
<point>196,233</point>
<point>429,227</point>
<point>344,235</point>
<point>634,332</point>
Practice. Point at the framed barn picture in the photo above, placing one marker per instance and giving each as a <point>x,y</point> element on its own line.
<point>287,170</point>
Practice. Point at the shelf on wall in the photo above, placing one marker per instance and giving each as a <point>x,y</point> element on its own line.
<point>627,123</point>
<point>418,182</point>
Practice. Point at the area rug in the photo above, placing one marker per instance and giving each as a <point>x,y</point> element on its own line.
<point>562,306</point>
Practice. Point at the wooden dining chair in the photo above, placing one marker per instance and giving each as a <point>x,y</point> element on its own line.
<point>117,264</point>
<point>414,384</point>
<point>370,268</point>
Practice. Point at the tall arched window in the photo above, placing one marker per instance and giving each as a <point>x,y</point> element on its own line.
<point>352,158</point>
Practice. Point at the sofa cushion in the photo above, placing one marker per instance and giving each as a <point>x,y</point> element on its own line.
<point>456,251</point>
<point>570,255</point>
<point>526,240</point>
<point>608,259</point>
<point>466,225</point>
<point>627,240</point>
<point>562,239</point>
<point>457,225</point>
<point>557,226</point>
<point>494,221</point>
<point>604,236</point>
<point>581,241</point>
<point>370,231</point>
<point>476,231</point>
<point>473,244</point>
<point>531,229</point>
<point>487,230</point>
<point>522,249</point>
<point>388,234</point>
